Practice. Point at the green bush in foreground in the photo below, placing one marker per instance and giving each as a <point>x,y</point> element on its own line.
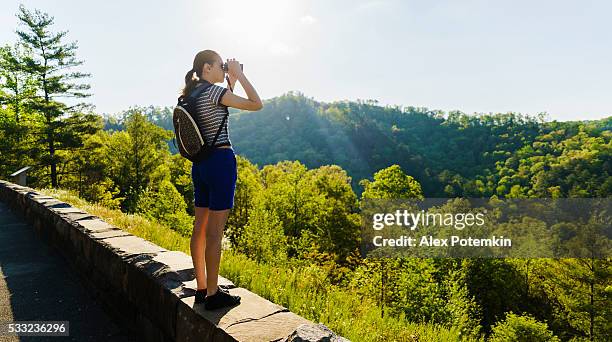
<point>521,328</point>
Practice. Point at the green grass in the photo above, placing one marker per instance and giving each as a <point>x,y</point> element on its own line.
<point>300,289</point>
<point>302,292</point>
<point>132,223</point>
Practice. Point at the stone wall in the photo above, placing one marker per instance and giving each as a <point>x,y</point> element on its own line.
<point>148,289</point>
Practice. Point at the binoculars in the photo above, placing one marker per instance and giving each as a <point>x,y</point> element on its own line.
<point>225,67</point>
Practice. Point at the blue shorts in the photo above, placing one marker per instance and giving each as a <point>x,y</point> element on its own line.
<point>214,180</point>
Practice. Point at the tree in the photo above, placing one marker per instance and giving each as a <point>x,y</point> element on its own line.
<point>582,285</point>
<point>18,85</point>
<point>263,238</point>
<point>49,66</point>
<point>317,208</point>
<point>248,186</point>
<point>391,183</point>
<point>337,221</point>
<point>180,176</point>
<point>287,194</point>
<point>89,171</point>
<point>463,311</point>
<point>521,328</point>
<point>163,203</point>
<point>16,89</point>
<point>137,158</point>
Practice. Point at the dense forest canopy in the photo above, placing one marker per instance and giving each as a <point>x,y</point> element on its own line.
<point>449,154</point>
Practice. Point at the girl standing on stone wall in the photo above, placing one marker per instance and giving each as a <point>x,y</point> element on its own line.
<point>214,179</point>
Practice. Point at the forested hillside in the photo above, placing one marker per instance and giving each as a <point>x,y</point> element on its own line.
<point>449,154</point>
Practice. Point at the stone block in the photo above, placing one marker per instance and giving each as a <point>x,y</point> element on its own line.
<point>109,234</point>
<point>94,225</point>
<point>126,246</point>
<point>254,311</point>
<point>314,333</point>
<point>271,328</point>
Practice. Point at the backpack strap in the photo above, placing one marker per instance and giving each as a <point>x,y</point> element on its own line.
<point>220,127</point>
<point>188,100</point>
<point>229,85</point>
<point>199,89</point>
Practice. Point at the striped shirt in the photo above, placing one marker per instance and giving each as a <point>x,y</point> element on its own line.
<point>210,113</point>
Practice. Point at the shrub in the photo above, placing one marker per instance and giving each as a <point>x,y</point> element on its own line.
<point>521,328</point>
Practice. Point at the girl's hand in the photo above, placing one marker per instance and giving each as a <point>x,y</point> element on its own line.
<point>233,69</point>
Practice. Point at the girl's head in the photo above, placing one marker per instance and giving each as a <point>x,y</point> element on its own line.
<point>207,65</point>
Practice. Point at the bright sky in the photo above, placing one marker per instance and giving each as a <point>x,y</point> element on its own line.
<point>473,56</point>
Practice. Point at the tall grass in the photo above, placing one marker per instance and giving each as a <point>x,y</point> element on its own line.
<point>303,289</point>
<point>132,223</point>
<point>305,293</point>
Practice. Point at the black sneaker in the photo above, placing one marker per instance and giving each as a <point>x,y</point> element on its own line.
<point>220,299</point>
<point>200,295</point>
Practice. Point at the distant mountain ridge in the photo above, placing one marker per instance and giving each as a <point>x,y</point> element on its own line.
<point>436,148</point>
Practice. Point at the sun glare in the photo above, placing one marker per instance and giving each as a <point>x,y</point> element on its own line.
<point>269,25</point>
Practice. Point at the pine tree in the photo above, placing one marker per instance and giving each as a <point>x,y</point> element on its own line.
<point>50,64</point>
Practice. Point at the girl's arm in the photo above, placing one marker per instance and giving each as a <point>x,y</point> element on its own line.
<point>229,99</point>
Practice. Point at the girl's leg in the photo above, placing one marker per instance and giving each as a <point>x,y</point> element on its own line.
<point>214,234</point>
<point>198,245</point>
